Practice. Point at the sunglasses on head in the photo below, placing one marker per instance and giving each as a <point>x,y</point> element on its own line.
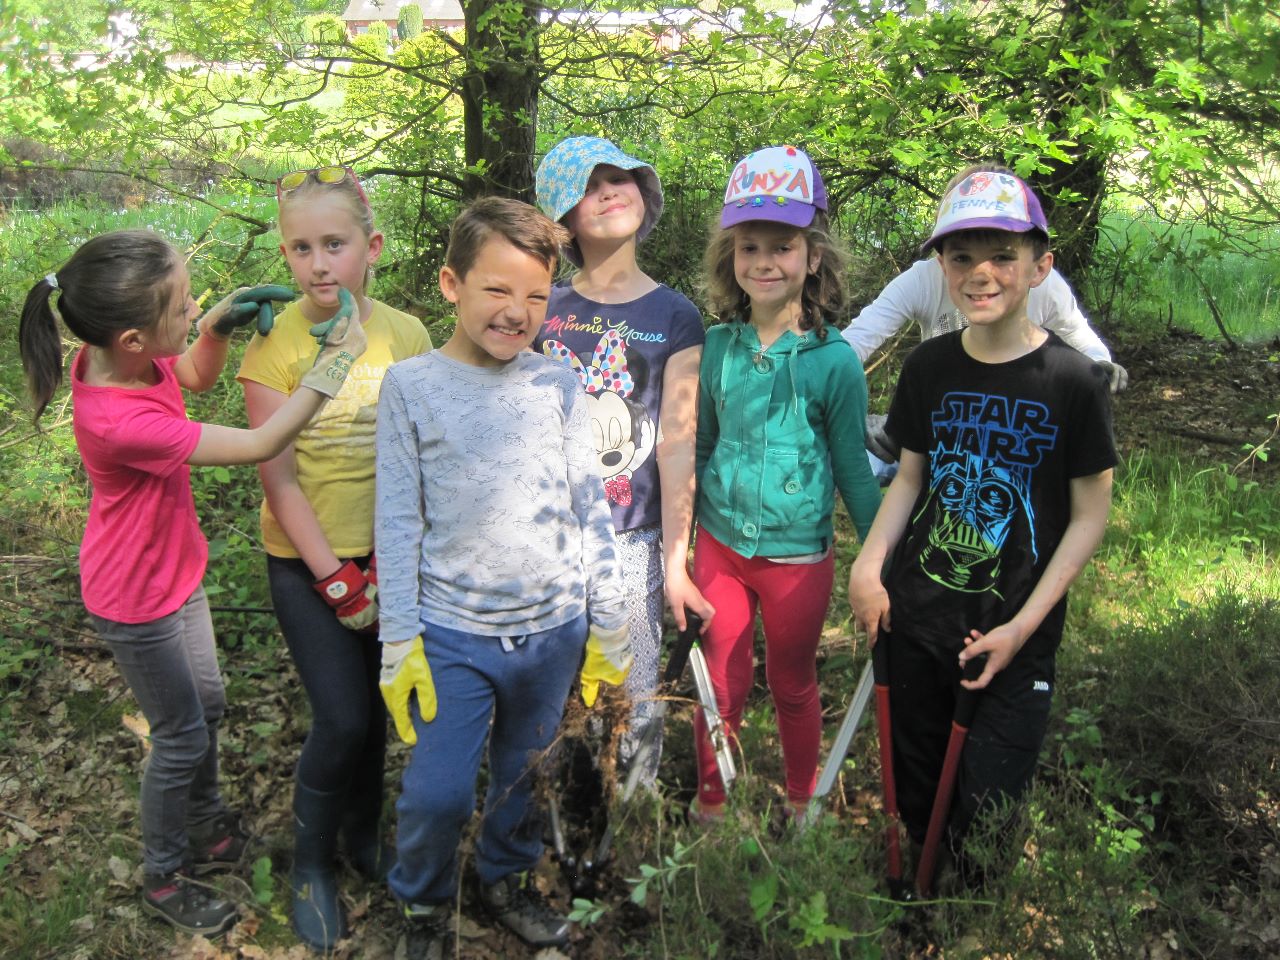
<point>328,175</point>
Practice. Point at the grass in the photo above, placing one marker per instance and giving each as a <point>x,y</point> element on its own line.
<point>1156,274</point>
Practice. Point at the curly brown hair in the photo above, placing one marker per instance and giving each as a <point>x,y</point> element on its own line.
<point>823,298</point>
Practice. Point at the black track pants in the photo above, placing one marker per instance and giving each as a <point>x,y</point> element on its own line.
<point>1004,741</point>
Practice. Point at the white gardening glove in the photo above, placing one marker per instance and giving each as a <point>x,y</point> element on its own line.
<point>241,307</point>
<point>1117,375</point>
<point>878,442</point>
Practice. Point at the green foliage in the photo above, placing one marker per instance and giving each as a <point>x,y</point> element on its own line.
<point>409,24</point>
<point>1161,111</point>
<point>264,883</point>
<point>379,36</point>
<point>324,30</point>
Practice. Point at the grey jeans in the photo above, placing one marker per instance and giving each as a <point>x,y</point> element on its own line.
<point>171,667</point>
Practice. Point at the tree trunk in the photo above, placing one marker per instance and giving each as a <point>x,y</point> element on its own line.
<point>1075,225</point>
<point>500,97</point>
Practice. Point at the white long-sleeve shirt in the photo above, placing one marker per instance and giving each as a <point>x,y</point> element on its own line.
<point>919,294</point>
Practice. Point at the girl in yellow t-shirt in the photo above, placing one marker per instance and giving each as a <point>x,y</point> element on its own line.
<point>317,527</point>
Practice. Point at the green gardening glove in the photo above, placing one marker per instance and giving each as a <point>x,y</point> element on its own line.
<point>608,660</point>
<point>346,311</point>
<point>344,342</point>
<point>241,307</point>
<point>404,671</point>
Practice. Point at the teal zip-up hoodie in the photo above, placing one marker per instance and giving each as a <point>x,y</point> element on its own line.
<point>779,430</point>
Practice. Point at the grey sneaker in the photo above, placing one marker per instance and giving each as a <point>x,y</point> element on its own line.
<point>187,905</point>
<point>218,844</point>
<point>426,932</point>
<point>516,904</point>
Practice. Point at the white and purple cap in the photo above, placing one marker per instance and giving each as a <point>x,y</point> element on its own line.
<point>780,184</point>
<point>988,200</point>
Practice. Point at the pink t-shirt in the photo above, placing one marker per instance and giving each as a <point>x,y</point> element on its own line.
<point>143,553</point>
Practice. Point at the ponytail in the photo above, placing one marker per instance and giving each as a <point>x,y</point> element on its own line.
<point>112,283</point>
<point>40,345</point>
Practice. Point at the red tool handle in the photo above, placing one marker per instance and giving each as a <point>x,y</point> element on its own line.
<point>893,840</point>
<point>962,719</point>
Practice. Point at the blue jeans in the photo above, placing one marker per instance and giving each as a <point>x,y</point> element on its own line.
<point>171,667</point>
<point>519,682</point>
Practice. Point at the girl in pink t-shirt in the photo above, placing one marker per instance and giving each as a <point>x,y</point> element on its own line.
<point>127,296</point>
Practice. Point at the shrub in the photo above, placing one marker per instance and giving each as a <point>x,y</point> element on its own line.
<point>409,24</point>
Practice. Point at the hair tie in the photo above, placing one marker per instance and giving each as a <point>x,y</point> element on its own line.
<point>51,279</point>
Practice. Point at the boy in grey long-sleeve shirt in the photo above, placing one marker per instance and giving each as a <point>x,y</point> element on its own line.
<point>487,488</point>
<point>496,558</point>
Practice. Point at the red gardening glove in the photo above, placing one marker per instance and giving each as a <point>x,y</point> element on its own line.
<point>353,596</point>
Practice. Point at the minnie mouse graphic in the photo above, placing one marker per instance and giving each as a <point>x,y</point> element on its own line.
<point>623,429</point>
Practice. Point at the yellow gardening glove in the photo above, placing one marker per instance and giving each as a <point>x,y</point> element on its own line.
<point>608,661</point>
<point>404,670</point>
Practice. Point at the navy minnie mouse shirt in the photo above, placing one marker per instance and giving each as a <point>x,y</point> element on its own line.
<point>619,352</point>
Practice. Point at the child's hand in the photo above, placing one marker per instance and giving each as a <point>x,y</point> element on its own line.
<point>405,671</point>
<point>870,602</point>
<point>1000,645</point>
<point>681,593</point>
<point>353,594</point>
<point>240,308</point>
<point>343,341</point>
<point>347,312</point>
<point>608,660</point>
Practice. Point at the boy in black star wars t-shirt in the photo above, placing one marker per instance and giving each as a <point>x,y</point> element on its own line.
<point>1001,498</point>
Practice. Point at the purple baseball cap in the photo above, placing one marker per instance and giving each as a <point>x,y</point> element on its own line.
<point>988,200</point>
<point>780,184</point>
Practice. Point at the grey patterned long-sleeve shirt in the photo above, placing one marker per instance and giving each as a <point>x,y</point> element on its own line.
<point>491,516</point>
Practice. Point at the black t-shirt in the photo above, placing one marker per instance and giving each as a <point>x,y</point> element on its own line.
<point>1002,443</point>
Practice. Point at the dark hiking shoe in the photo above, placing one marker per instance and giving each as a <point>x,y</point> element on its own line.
<point>218,844</point>
<point>187,905</point>
<point>427,930</point>
<point>517,905</point>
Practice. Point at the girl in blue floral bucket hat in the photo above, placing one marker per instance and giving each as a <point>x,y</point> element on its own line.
<point>635,345</point>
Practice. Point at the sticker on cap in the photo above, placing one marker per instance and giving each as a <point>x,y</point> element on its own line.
<point>986,194</point>
<point>783,173</point>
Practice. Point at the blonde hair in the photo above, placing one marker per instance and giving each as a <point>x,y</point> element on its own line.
<point>823,298</point>
<point>347,191</point>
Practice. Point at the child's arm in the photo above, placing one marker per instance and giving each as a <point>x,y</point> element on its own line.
<point>867,595</point>
<point>1060,312</point>
<point>289,505</point>
<point>265,439</point>
<point>904,299</point>
<point>844,422</point>
<point>275,430</point>
<point>1090,503</point>
<point>400,520</point>
<point>677,435</point>
<point>198,368</point>
<point>600,561</point>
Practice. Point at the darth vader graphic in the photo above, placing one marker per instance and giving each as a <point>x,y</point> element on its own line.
<point>979,489</point>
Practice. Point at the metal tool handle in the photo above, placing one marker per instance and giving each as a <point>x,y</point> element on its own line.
<point>711,713</point>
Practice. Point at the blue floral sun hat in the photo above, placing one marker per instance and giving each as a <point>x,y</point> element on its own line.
<point>562,176</point>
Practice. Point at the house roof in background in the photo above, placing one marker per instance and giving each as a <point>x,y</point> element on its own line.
<point>390,9</point>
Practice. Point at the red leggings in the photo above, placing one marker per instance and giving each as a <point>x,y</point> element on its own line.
<point>793,601</point>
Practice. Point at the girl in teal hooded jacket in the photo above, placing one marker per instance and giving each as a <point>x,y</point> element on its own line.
<point>781,413</point>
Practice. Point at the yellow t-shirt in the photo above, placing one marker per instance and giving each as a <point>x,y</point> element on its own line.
<point>335,451</point>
